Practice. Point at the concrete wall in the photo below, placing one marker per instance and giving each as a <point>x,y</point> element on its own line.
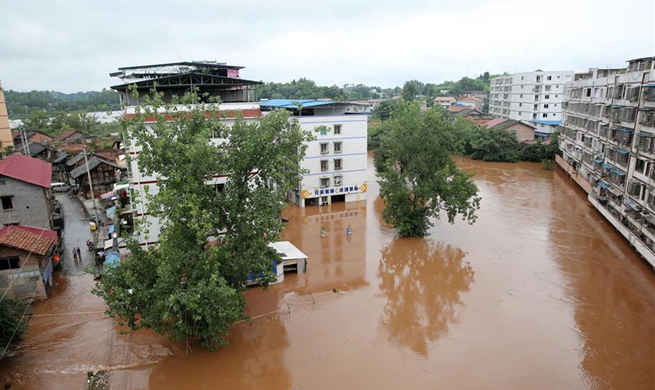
<point>523,132</point>
<point>30,204</point>
<point>25,282</point>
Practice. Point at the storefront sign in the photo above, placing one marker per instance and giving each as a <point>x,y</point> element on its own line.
<point>316,192</point>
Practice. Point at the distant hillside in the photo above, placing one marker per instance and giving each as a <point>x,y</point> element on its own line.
<point>20,104</point>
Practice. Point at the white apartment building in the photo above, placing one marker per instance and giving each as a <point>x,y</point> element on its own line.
<point>608,146</point>
<point>174,79</point>
<point>336,159</point>
<point>534,97</point>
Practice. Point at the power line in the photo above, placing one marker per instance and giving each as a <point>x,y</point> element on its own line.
<point>20,270</point>
<point>18,325</point>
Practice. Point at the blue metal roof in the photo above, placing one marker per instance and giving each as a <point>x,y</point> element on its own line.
<point>624,130</point>
<point>291,103</point>
<point>552,123</point>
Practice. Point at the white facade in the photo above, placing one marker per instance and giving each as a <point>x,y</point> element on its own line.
<point>608,143</point>
<point>142,185</point>
<point>534,97</point>
<point>336,159</point>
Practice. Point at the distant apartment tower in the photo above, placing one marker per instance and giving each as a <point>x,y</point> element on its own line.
<point>336,160</point>
<point>608,146</point>
<point>534,97</point>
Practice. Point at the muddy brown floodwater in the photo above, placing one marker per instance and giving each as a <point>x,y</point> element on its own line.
<point>540,293</point>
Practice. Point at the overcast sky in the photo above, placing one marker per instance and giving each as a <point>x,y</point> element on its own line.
<point>70,45</point>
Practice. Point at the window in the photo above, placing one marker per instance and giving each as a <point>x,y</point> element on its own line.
<point>536,106</point>
<point>219,187</point>
<point>547,88</point>
<point>324,165</point>
<point>553,114</point>
<point>521,86</point>
<point>324,148</point>
<point>546,96</point>
<point>521,78</point>
<point>337,129</point>
<point>521,96</point>
<point>337,164</point>
<point>588,92</point>
<point>323,131</point>
<point>7,204</point>
<point>538,79</point>
<point>558,76</point>
<point>549,78</point>
<point>520,104</point>
<point>325,182</point>
<point>513,131</point>
<point>9,263</point>
<point>337,147</point>
<point>544,115</point>
<point>337,180</point>
<point>545,105</point>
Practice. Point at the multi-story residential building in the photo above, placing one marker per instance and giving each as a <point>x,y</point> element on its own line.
<point>211,79</point>
<point>608,146</point>
<point>445,101</point>
<point>336,158</point>
<point>534,97</point>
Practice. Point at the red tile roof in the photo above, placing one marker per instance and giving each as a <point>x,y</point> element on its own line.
<point>27,169</point>
<point>66,135</point>
<point>456,108</point>
<point>28,238</point>
<point>494,122</point>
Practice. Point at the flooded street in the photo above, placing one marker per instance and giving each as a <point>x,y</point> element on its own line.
<point>539,293</point>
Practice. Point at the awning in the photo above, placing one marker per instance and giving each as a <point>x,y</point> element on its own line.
<point>616,191</point>
<point>107,195</point>
<point>603,185</point>
<point>607,166</point>
<point>112,259</point>
<point>619,151</point>
<point>642,134</point>
<point>624,130</point>
<point>598,160</point>
<point>631,203</point>
<point>618,172</point>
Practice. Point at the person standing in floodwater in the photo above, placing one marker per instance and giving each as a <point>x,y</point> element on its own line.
<point>349,231</point>
<point>322,231</point>
<point>79,253</point>
<point>74,254</point>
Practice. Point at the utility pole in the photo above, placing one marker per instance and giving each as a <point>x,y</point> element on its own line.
<point>93,197</point>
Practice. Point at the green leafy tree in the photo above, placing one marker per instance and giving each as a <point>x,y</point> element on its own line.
<point>466,136</point>
<point>12,322</point>
<point>496,145</point>
<point>189,287</point>
<point>420,179</point>
<point>37,120</point>
<point>411,89</point>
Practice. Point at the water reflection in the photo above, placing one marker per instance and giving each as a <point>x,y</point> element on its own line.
<point>422,282</point>
<point>335,260</point>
